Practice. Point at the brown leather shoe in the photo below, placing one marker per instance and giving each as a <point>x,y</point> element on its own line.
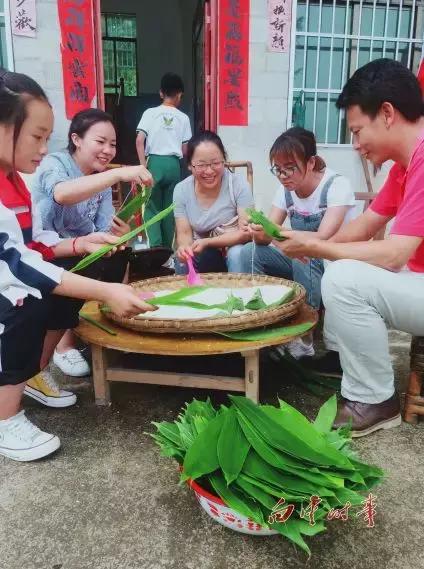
<point>367,418</point>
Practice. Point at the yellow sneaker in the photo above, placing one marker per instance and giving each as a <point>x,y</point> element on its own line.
<point>44,389</point>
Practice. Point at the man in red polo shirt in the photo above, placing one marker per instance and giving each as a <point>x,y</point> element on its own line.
<point>373,285</point>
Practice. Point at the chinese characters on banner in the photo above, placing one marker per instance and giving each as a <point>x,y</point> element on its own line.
<point>23,18</point>
<point>77,47</point>
<point>279,25</point>
<point>233,62</point>
<point>280,513</point>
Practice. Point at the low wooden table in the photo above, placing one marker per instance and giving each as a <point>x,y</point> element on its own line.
<point>108,365</point>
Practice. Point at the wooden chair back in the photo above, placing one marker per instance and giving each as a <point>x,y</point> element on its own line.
<point>240,164</point>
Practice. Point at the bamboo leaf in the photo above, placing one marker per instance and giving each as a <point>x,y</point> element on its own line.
<point>284,435</point>
<point>326,415</point>
<point>202,457</point>
<point>256,467</point>
<point>97,324</point>
<point>270,228</point>
<point>89,259</point>
<point>258,334</point>
<point>240,503</point>
<point>256,493</point>
<point>200,408</point>
<point>174,297</point>
<point>134,205</point>
<point>256,302</point>
<point>286,463</point>
<point>169,431</point>
<point>294,528</point>
<point>232,447</point>
<point>271,489</point>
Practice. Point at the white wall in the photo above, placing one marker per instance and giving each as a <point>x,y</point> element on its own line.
<point>40,58</point>
<point>268,90</point>
<point>268,106</point>
<point>164,33</point>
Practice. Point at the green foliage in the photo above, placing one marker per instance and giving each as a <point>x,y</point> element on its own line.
<point>270,228</point>
<point>254,455</point>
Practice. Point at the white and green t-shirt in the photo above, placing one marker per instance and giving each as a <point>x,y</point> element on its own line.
<point>166,129</point>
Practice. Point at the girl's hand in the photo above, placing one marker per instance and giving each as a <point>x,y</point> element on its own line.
<point>244,224</point>
<point>119,227</point>
<point>94,241</point>
<point>125,301</point>
<point>258,234</point>
<point>183,253</point>
<point>138,174</point>
<point>199,245</point>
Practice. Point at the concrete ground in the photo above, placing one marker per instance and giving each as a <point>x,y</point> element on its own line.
<point>108,500</point>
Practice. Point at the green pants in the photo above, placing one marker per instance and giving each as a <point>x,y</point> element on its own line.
<point>166,173</point>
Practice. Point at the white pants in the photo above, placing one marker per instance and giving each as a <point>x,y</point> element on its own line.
<point>360,301</point>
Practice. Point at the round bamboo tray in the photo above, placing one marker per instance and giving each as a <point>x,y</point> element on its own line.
<point>245,321</point>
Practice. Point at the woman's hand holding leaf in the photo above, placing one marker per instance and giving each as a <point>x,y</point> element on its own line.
<point>119,227</point>
<point>258,234</point>
<point>139,174</point>
<point>94,241</point>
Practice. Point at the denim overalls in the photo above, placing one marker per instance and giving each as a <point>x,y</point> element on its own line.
<point>310,274</point>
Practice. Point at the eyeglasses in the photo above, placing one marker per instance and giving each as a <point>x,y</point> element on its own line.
<point>203,166</point>
<point>283,172</point>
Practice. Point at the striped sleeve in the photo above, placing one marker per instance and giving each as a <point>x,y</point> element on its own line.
<point>22,271</point>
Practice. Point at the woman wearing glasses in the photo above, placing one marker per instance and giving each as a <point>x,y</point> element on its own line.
<point>314,198</point>
<point>210,209</point>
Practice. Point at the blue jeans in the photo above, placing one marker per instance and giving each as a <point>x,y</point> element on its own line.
<point>269,260</point>
<point>212,261</point>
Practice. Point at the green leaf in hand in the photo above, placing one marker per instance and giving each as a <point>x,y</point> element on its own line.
<point>270,228</point>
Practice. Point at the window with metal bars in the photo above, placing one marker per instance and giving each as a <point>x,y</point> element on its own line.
<point>119,41</point>
<point>333,38</point>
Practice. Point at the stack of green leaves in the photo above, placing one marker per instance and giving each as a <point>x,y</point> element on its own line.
<point>252,455</point>
<point>269,227</point>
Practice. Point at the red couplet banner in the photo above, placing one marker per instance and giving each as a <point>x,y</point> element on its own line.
<point>77,47</point>
<point>233,62</point>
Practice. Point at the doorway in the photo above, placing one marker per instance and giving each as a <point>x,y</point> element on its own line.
<point>140,40</point>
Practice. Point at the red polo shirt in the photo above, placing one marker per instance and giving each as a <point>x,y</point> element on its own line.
<point>402,197</point>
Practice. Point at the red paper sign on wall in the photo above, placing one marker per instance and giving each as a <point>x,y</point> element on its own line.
<point>77,47</point>
<point>233,62</point>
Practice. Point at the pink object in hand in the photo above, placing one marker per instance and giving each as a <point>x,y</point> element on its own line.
<point>192,277</point>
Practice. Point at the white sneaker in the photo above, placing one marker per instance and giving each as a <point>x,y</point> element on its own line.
<point>297,348</point>
<point>170,263</point>
<point>21,440</point>
<point>72,363</point>
<point>44,389</point>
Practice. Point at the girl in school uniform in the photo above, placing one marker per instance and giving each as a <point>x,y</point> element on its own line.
<point>33,291</point>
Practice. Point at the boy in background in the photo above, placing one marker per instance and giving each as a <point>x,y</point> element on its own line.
<point>162,136</point>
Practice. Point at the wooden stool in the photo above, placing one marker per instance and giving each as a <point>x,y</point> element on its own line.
<point>414,401</point>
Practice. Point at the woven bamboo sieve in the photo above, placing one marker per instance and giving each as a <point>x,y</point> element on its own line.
<point>254,319</point>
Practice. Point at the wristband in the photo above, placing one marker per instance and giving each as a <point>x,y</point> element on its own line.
<point>74,250</point>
